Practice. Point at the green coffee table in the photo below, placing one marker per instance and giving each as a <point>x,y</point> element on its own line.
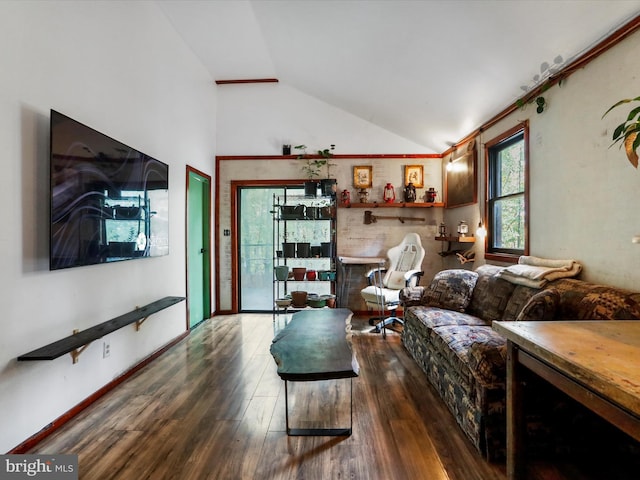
<point>316,345</point>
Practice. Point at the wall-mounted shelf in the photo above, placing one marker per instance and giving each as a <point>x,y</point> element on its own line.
<point>450,240</point>
<point>76,343</point>
<point>456,239</point>
<point>394,205</point>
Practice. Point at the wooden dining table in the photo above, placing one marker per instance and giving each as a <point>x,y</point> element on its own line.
<point>596,363</point>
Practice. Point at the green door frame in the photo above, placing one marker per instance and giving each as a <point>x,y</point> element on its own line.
<point>198,246</point>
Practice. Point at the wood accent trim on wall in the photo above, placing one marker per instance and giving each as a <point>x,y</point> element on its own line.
<point>247,80</point>
<point>399,156</point>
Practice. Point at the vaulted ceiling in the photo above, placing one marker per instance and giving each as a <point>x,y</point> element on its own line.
<point>431,71</point>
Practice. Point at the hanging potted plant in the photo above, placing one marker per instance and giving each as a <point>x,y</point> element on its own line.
<point>628,132</point>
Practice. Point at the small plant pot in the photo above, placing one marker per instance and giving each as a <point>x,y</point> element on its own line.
<point>304,250</point>
<point>328,187</point>
<point>289,249</point>
<point>310,188</point>
<point>326,249</point>
<point>299,273</point>
<point>299,298</point>
<point>316,251</point>
<point>282,272</point>
<point>311,275</point>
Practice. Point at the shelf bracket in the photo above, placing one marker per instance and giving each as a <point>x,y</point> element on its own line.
<point>141,321</point>
<point>75,353</point>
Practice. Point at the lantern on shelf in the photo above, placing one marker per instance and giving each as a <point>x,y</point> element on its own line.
<point>442,230</point>
<point>431,195</point>
<point>389,194</point>
<point>410,193</point>
<point>345,197</point>
<point>463,229</point>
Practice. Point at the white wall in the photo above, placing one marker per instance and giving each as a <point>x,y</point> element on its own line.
<point>120,68</point>
<point>258,119</point>
<point>584,196</point>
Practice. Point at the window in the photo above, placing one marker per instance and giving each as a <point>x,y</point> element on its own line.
<point>507,196</point>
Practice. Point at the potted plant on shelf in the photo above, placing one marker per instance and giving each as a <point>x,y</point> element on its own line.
<point>312,168</point>
<point>627,132</point>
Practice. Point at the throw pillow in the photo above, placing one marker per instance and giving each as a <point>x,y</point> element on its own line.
<point>451,289</point>
<point>542,306</point>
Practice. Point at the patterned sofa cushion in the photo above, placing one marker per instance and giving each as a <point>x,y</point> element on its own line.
<point>432,317</point>
<point>580,300</point>
<point>542,306</point>
<point>473,352</point>
<point>490,295</point>
<point>519,298</point>
<point>451,289</point>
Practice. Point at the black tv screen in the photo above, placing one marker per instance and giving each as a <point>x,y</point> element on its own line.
<point>109,202</point>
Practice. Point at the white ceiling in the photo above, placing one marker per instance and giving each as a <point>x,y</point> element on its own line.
<point>431,71</point>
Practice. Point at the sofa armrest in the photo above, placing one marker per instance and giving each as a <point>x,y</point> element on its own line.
<point>411,296</point>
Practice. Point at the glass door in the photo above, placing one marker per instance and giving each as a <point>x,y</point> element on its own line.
<point>255,245</point>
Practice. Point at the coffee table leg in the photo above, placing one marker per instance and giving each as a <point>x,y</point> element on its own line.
<point>331,432</point>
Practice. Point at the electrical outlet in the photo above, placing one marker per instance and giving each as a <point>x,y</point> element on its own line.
<point>106,349</point>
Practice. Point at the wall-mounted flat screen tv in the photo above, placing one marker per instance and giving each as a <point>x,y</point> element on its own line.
<point>109,202</point>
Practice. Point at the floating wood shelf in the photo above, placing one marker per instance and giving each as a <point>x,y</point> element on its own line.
<point>456,239</point>
<point>73,343</point>
<point>393,205</point>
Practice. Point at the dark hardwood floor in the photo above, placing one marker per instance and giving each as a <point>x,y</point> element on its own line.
<point>213,407</point>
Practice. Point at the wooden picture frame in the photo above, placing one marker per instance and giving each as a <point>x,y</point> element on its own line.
<point>461,183</point>
<point>414,174</point>
<point>363,176</point>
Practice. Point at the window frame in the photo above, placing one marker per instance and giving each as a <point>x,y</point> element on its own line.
<point>491,252</point>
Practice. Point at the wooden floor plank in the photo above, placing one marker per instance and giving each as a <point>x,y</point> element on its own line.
<point>212,407</point>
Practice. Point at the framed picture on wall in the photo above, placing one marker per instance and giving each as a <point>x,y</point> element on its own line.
<point>363,176</point>
<point>461,181</point>
<point>414,174</point>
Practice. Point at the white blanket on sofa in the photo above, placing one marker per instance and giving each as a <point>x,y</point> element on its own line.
<point>536,272</point>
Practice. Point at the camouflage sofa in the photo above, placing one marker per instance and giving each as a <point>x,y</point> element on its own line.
<point>448,332</point>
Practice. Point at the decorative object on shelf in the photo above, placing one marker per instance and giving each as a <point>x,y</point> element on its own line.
<point>414,174</point>
<point>299,298</point>
<point>330,299</point>
<point>370,218</point>
<point>389,193</point>
<point>627,132</point>
<point>289,249</point>
<point>363,195</point>
<point>292,212</point>
<point>316,251</point>
<point>463,228</point>
<point>299,273</point>
<point>461,181</point>
<point>282,272</point>
<point>410,193</point>
<point>327,250</point>
<point>345,198</point>
<point>363,176</point>
<point>311,275</point>
<point>430,196</point>
<point>286,149</point>
<point>442,230</point>
<point>283,302</point>
<point>303,249</point>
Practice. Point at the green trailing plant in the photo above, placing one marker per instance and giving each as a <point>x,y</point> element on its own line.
<point>627,132</point>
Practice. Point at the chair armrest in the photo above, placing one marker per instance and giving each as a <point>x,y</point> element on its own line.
<point>412,275</point>
<point>410,296</point>
<point>371,273</point>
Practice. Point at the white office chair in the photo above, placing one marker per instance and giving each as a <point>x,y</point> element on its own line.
<point>404,270</point>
